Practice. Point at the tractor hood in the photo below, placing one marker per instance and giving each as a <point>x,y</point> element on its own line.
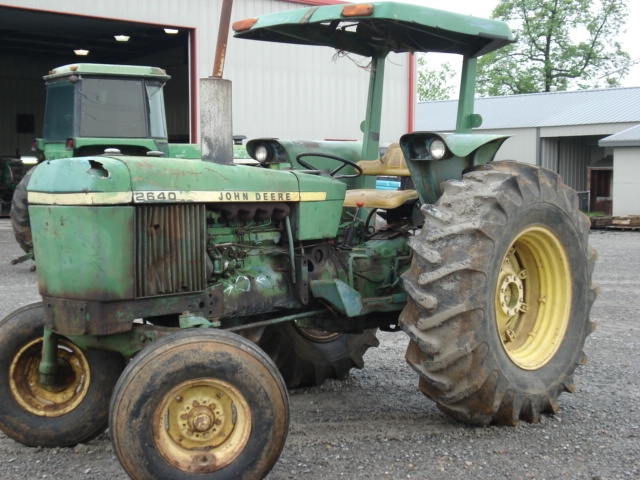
<point>113,180</point>
<point>102,221</point>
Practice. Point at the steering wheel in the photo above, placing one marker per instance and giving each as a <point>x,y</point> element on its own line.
<point>334,172</point>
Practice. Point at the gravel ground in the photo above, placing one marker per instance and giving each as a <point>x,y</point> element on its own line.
<point>375,424</point>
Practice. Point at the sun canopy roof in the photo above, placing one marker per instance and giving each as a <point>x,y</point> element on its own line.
<point>389,27</point>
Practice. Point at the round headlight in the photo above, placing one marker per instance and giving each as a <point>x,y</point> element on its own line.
<point>437,149</point>
<point>419,148</point>
<point>261,153</point>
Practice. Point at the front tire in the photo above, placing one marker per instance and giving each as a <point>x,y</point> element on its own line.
<point>500,294</point>
<point>199,403</point>
<point>75,409</point>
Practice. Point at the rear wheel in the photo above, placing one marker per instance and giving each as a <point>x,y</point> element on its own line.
<point>500,294</point>
<point>199,403</point>
<point>307,357</point>
<point>75,408</point>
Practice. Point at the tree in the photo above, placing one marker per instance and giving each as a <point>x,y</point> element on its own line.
<point>559,43</point>
<point>434,84</point>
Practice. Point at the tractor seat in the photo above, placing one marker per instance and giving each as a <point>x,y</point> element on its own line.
<point>371,198</point>
<point>392,164</point>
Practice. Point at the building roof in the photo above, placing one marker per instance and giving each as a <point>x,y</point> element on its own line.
<point>626,138</point>
<point>579,107</point>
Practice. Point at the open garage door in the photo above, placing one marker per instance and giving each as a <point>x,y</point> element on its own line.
<point>34,42</point>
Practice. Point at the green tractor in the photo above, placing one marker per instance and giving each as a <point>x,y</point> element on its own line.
<point>180,298</point>
<point>11,172</point>
<point>94,107</point>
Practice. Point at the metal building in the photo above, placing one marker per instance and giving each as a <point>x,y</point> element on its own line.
<point>279,90</point>
<point>626,174</point>
<point>559,131</point>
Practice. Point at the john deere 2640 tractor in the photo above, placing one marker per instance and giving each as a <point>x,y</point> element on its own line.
<point>180,298</point>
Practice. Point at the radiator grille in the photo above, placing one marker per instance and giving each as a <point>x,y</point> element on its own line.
<point>170,249</point>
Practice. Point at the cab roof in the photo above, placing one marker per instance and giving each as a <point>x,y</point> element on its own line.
<point>389,27</point>
<point>99,69</point>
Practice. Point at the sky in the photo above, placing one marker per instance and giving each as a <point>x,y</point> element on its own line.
<point>483,8</point>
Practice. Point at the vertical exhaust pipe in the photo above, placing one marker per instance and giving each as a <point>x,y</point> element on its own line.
<point>216,121</point>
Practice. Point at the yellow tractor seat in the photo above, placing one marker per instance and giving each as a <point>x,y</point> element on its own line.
<point>371,198</point>
<point>392,164</point>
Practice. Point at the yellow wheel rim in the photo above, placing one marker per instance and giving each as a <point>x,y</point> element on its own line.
<point>202,425</point>
<point>71,386</point>
<point>315,335</point>
<point>533,298</point>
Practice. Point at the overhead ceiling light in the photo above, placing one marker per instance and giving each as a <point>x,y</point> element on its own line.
<point>81,52</point>
<point>122,38</point>
<point>171,31</point>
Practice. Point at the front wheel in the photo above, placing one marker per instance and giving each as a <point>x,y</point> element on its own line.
<point>200,403</point>
<point>500,294</point>
<point>75,408</point>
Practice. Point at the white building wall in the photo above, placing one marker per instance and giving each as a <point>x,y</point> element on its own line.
<point>278,90</point>
<point>626,181</point>
<point>520,146</point>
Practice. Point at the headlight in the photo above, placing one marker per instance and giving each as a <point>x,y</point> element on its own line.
<point>437,149</point>
<point>419,148</point>
<point>261,153</point>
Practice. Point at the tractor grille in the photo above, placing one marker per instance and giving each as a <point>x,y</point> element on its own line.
<point>170,249</point>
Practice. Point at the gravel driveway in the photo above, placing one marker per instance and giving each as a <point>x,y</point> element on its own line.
<point>375,424</point>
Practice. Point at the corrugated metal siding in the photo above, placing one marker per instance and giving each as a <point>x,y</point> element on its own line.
<point>307,92</point>
<point>582,107</point>
<point>568,157</point>
<point>438,116</point>
<point>278,90</point>
<point>573,159</point>
<point>549,153</point>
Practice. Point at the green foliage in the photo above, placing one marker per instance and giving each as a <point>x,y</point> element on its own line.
<point>559,43</point>
<point>434,84</point>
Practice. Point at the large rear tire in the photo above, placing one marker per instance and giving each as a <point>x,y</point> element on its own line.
<point>308,357</point>
<point>500,294</point>
<point>199,404</point>
<point>20,215</point>
<point>75,409</point>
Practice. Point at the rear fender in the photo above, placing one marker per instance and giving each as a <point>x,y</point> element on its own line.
<point>462,151</point>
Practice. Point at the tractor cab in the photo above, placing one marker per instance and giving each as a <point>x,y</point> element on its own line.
<point>92,107</point>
